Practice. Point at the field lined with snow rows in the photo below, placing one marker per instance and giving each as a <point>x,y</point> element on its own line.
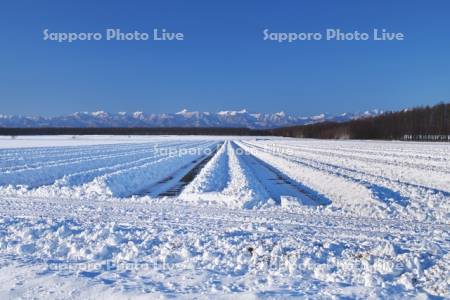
<point>260,216</point>
<point>366,178</point>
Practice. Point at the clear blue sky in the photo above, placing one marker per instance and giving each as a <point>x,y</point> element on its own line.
<point>223,62</point>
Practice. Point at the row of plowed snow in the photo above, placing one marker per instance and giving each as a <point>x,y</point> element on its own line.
<point>378,179</point>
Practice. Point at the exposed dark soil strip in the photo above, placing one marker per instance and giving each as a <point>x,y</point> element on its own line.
<point>176,189</point>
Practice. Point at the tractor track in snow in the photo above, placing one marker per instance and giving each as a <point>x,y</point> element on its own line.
<point>278,184</point>
<point>347,173</point>
<point>173,184</point>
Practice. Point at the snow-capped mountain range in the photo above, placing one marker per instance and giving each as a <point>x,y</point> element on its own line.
<point>184,118</point>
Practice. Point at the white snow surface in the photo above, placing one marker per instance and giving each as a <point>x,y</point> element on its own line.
<point>80,218</point>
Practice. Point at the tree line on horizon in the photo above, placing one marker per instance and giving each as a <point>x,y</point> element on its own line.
<point>420,123</point>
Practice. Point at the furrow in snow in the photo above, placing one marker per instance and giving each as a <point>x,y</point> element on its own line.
<point>46,175</point>
<point>125,183</point>
<point>343,193</point>
<point>242,188</point>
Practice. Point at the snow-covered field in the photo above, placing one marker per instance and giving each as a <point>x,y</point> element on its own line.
<point>208,217</point>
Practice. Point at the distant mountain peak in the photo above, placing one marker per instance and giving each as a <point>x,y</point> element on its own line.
<point>182,112</point>
<point>233,112</point>
<point>99,113</point>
